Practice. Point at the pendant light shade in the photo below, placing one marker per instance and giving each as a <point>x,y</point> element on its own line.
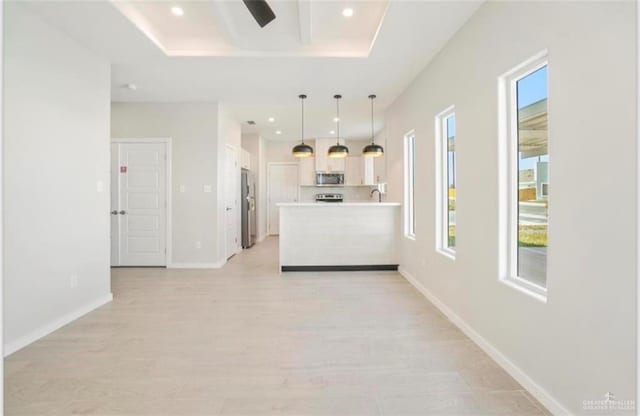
<point>338,150</point>
<point>302,149</point>
<point>373,149</point>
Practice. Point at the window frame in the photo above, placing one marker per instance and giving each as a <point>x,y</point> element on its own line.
<point>409,185</point>
<point>509,176</point>
<point>442,183</point>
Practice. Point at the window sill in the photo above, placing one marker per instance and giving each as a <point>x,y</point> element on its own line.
<point>450,254</point>
<point>411,237</point>
<point>529,289</point>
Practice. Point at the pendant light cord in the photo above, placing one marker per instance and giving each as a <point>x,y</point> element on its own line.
<point>372,140</point>
<point>372,97</point>
<point>302,101</point>
<point>338,117</point>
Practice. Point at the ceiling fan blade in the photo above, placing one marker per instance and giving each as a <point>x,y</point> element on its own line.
<point>260,11</point>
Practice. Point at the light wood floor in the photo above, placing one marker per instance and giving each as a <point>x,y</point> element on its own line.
<point>244,340</point>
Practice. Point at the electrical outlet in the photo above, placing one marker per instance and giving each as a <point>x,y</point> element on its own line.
<point>183,189</point>
<point>198,244</point>
<point>99,186</point>
<point>73,281</point>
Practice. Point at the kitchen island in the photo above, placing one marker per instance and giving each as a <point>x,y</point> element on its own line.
<point>339,236</point>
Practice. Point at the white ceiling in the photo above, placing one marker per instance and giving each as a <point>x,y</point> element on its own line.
<point>226,28</point>
<point>258,87</point>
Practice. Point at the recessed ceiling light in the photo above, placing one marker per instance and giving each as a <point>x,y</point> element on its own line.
<point>332,132</point>
<point>131,87</point>
<point>336,119</point>
<point>278,132</point>
<point>177,11</point>
<point>348,12</point>
<point>271,119</point>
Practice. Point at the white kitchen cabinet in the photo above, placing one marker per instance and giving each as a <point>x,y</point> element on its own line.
<point>335,164</point>
<point>353,171</point>
<point>307,169</point>
<point>359,170</point>
<point>324,163</point>
<point>322,147</point>
<point>379,169</point>
<point>368,171</point>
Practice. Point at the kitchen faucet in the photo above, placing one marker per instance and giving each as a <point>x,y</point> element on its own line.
<point>379,194</point>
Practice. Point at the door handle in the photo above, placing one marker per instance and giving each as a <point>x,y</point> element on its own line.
<point>122,212</point>
<point>114,212</point>
<point>228,209</point>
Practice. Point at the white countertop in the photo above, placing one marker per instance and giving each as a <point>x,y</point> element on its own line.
<point>338,204</point>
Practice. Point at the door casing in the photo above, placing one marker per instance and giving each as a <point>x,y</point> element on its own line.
<point>231,249</point>
<point>168,184</point>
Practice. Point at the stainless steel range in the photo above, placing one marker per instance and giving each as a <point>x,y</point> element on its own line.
<point>329,197</point>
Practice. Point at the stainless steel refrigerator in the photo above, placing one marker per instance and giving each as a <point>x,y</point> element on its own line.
<point>248,209</point>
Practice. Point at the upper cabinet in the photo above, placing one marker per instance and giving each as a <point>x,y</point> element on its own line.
<point>324,163</point>
<point>359,170</point>
<point>379,169</point>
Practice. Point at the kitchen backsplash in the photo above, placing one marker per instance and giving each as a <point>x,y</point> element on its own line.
<point>350,193</point>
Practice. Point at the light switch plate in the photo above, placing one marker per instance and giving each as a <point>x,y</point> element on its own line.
<point>183,189</point>
<point>206,188</point>
<point>99,186</point>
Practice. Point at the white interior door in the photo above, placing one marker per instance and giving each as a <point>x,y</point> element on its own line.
<point>232,188</point>
<point>142,204</point>
<point>283,187</point>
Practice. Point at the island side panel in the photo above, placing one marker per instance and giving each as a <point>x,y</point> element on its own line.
<point>329,235</point>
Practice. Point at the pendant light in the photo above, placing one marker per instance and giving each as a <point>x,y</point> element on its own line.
<point>338,150</point>
<point>373,149</point>
<point>302,149</point>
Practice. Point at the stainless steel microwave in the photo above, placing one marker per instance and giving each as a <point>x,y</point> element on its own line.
<point>329,179</point>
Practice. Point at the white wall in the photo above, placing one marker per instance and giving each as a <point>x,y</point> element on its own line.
<point>1,209</point>
<point>581,343</point>
<point>197,156</point>
<point>280,151</point>
<point>56,152</point>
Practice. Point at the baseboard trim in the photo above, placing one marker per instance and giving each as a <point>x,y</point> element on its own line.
<point>514,371</point>
<point>350,268</point>
<point>43,331</point>
<point>196,265</point>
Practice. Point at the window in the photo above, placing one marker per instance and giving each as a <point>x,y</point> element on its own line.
<point>524,93</point>
<point>409,185</point>
<point>446,182</point>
